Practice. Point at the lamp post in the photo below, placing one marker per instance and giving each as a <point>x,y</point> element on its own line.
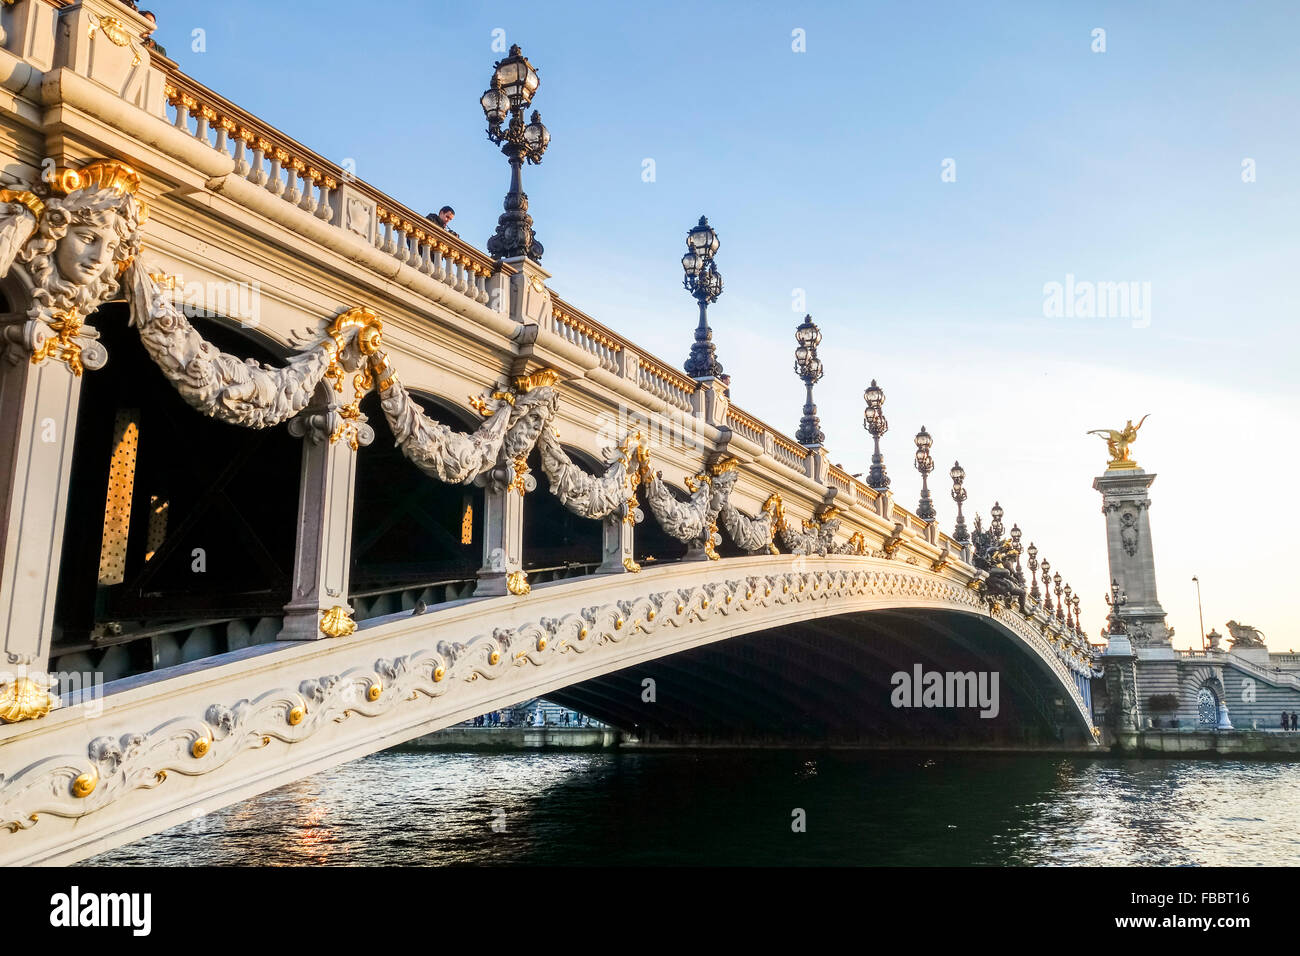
<point>1047,586</point>
<point>514,81</point>
<point>809,368</point>
<point>1068,622</point>
<point>995,526</point>
<point>1034,593</point>
<point>958,475</point>
<point>704,282</point>
<point>1060,612</point>
<point>1077,628</point>
<point>925,465</point>
<point>1199,612</point>
<point>874,421</point>
<point>1015,540</point>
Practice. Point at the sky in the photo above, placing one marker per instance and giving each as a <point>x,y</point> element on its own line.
<point>915,176</point>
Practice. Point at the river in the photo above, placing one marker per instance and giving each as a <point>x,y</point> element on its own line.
<point>743,807</point>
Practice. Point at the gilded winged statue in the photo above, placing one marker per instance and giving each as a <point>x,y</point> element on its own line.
<point>1117,442</point>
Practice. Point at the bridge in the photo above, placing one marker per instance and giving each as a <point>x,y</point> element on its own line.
<point>300,474</point>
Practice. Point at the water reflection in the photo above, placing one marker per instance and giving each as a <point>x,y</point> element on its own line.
<point>413,808</point>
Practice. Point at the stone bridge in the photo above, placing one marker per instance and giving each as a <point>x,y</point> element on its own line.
<point>291,474</point>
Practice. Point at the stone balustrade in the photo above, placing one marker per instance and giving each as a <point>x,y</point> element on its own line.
<point>268,158</point>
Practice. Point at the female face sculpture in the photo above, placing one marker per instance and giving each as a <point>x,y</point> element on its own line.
<point>80,243</point>
<point>86,252</point>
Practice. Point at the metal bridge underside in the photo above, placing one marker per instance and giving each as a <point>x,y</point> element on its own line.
<point>828,682</point>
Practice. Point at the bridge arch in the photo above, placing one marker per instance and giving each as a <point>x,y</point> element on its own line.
<point>830,681</point>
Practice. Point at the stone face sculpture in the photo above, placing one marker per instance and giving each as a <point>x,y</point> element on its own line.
<point>72,236</point>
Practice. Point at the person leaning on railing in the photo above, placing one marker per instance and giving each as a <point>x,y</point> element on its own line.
<point>148,37</point>
<point>443,218</point>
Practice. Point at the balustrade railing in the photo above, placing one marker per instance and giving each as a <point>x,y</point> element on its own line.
<point>285,168</point>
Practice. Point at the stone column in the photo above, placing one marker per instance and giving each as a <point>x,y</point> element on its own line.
<point>38,423</point>
<point>1126,504</point>
<point>322,559</point>
<point>617,551</point>
<point>503,535</point>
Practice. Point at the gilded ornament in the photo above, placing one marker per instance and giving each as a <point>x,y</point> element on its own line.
<point>517,583</point>
<point>200,747</point>
<point>494,658</point>
<point>542,378</point>
<point>541,643</point>
<point>295,716</point>
<point>24,699</point>
<point>439,673</point>
<point>630,565</point>
<point>113,28</point>
<point>375,690</point>
<point>1118,442</point>
<point>337,622</point>
<point>85,785</point>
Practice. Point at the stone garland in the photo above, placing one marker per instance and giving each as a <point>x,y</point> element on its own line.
<point>222,386</point>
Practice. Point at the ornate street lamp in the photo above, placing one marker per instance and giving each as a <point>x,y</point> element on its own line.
<point>1068,613</point>
<point>995,526</point>
<point>958,476</point>
<point>514,81</point>
<point>809,368</point>
<point>925,465</point>
<point>1015,540</point>
<point>704,282</point>
<point>874,421</point>
<point>1076,617</point>
<point>1060,613</point>
<point>1116,599</point>
<point>1034,593</point>
<point>1047,586</point>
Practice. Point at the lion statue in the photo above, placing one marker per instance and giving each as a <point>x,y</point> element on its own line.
<point>1243,635</point>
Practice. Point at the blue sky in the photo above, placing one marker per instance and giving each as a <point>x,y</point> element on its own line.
<point>821,172</point>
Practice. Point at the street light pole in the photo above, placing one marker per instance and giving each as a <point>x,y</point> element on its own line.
<point>704,282</point>
<point>1199,612</point>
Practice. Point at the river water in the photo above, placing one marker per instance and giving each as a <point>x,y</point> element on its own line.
<point>742,807</point>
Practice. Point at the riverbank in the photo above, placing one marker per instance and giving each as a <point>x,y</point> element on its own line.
<point>520,738</point>
<point>1208,743</point>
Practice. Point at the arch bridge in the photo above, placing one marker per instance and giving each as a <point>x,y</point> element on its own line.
<point>292,474</point>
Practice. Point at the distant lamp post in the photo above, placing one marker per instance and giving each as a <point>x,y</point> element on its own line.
<point>1077,628</point>
<point>1047,586</point>
<point>1060,612</point>
<point>874,421</point>
<point>1034,593</point>
<point>704,282</point>
<point>1015,540</point>
<point>925,465</point>
<point>958,476</point>
<point>809,368</point>
<point>995,526</point>
<point>1068,621</point>
<point>514,81</point>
